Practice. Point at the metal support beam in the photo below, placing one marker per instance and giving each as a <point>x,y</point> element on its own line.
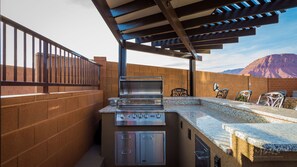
<point>192,73</point>
<point>122,60</point>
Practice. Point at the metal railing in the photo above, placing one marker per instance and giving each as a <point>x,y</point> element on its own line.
<point>51,63</point>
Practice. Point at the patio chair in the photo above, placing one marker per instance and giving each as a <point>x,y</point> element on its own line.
<point>244,96</point>
<point>179,92</point>
<point>222,93</point>
<point>273,99</point>
<point>284,92</point>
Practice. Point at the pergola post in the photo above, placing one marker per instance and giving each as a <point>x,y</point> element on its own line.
<point>192,73</point>
<point>122,60</point>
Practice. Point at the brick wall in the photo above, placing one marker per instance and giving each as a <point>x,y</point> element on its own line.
<point>48,129</point>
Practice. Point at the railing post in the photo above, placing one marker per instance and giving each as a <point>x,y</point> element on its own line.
<point>45,68</point>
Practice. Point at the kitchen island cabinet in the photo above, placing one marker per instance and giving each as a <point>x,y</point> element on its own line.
<point>223,126</point>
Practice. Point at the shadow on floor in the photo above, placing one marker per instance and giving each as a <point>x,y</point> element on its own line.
<point>91,158</point>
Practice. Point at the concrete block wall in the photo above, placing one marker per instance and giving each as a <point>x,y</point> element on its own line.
<point>48,129</point>
<point>205,81</point>
<point>173,78</point>
<point>258,86</point>
<point>289,84</point>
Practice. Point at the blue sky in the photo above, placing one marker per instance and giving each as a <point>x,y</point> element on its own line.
<point>269,39</point>
<point>77,25</point>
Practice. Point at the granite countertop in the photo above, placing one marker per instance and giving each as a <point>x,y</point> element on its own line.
<point>217,124</point>
<point>280,113</point>
<point>210,127</point>
<point>272,136</point>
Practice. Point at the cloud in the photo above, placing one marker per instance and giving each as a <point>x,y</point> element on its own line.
<point>83,3</point>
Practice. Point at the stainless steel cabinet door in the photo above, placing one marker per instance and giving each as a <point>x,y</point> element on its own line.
<point>152,148</point>
<point>125,148</point>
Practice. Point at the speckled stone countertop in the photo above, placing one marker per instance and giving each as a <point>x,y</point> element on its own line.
<point>264,127</point>
<point>208,125</point>
<point>271,136</point>
<point>287,115</point>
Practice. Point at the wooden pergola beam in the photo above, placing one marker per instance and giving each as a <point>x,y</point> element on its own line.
<point>274,5</point>
<point>206,51</point>
<point>173,20</point>
<point>131,7</point>
<point>217,28</point>
<point>151,49</point>
<point>201,47</point>
<point>203,38</point>
<point>103,9</point>
<point>180,11</point>
<point>205,43</point>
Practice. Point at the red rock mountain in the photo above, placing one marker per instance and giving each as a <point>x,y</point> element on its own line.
<point>273,66</point>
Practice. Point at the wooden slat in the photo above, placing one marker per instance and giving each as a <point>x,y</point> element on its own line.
<point>218,28</point>
<point>150,49</point>
<point>180,11</point>
<point>203,38</point>
<point>171,16</point>
<point>205,43</point>
<point>104,10</point>
<point>267,7</point>
<point>206,51</point>
<point>201,47</point>
<point>131,7</point>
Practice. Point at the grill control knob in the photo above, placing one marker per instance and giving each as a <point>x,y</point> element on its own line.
<point>158,116</point>
<point>134,116</point>
<point>145,116</point>
<point>139,116</point>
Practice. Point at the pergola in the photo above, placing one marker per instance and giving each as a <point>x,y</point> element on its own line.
<point>185,28</point>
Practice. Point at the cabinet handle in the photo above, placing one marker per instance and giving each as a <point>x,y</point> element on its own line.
<point>126,138</point>
<point>126,152</point>
<point>202,157</point>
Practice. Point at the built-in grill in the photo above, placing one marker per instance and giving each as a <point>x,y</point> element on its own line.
<point>140,102</point>
<point>140,105</point>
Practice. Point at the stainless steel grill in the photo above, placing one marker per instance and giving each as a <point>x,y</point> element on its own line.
<point>141,102</point>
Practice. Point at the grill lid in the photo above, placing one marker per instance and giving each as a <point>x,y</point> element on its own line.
<point>140,93</point>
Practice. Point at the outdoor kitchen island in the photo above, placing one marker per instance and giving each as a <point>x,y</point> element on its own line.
<point>215,132</point>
